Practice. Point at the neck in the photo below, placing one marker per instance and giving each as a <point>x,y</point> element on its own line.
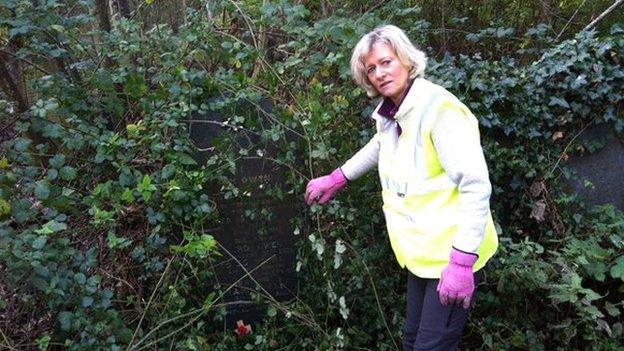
<point>398,100</point>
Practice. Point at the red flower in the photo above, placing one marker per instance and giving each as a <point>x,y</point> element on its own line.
<point>242,329</point>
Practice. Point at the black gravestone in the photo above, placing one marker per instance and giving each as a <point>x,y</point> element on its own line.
<point>598,175</point>
<point>254,228</point>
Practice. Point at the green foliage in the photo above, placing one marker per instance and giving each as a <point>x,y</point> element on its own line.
<point>104,204</point>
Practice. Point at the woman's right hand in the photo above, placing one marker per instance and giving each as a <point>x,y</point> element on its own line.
<point>322,189</point>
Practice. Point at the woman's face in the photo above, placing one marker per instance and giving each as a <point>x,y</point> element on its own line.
<point>386,72</point>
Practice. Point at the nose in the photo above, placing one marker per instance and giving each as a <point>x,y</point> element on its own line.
<point>379,73</point>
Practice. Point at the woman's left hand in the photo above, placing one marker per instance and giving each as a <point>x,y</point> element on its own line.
<point>457,280</point>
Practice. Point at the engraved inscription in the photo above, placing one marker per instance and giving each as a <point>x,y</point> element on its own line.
<point>254,228</point>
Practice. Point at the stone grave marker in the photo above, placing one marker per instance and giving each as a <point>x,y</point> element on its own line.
<point>255,228</point>
<point>598,175</point>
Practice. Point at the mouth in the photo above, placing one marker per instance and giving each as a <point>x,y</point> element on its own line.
<point>385,83</point>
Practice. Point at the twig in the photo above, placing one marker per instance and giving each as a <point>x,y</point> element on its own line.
<point>261,110</point>
<point>247,272</point>
<point>276,161</point>
<point>149,302</point>
<point>118,279</point>
<point>10,124</point>
<point>221,124</point>
<point>245,18</point>
<point>39,68</point>
<point>6,340</point>
<point>604,14</point>
<point>566,148</point>
<point>290,93</point>
<point>570,20</point>
<point>199,310</point>
<point>452,30</point>
<point>370,277</point>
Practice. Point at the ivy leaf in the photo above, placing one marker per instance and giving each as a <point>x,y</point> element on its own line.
<point>57,28</point>
<point>58,52</point>
<point>65,320</point>
<point>51,227</point>
<point>42,189</point>
<point>19,30</point>
<point>87,301</point>
<point>52,174</point>
<point>44,342</point>
<point>125,335</point>
<point>167,171</point>
<point>67,173</point>
<point>22,210</point>
<point>271,311</point>
<point>106,298</point>
<point>39,242</point>
<point>128,196</point>
<point>21,144</point>
<point>209,300</point>
<point>5,207</point>
<point>80,278</point>
<point>339,250</point>
<point>146,188</point>
<point>57,161</point>
<point>115,242</point>
<point>612,309</point>
<point>185,159</point>
<point>4,163</point>
<point>135,85</point>
<point>340,247</point>
<point>101,216</point>
<point>617,271</point>
<point>554,101</point>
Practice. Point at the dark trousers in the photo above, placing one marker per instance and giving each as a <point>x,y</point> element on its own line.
<point>429,325</point>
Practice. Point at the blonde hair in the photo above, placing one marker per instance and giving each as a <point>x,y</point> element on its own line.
<point>394,37</point>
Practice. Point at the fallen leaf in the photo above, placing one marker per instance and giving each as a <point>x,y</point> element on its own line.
<point>557,136</point>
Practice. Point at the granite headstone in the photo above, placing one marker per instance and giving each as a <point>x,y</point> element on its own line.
<point>254,230</point>
<point>597,175</point>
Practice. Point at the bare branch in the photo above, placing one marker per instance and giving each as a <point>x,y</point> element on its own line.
<point>603,15</point>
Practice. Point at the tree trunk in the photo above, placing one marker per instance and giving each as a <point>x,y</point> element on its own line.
<point>103,15</point>
<point>546,15</point>
<point>124,8</point>
<point>13,85</point>
<point>11,76</point>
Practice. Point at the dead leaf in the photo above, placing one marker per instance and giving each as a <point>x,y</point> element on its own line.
<point>557,136</point>
<point>539,210</point>
<point>537,187</point>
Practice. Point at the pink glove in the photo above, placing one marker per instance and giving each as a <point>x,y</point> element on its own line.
<point>322,189</point>
<point>457,280</point>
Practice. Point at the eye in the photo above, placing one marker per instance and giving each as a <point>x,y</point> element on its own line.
<point>370,69</point>
<point>386,62</point>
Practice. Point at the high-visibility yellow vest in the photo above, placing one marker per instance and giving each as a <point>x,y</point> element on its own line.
<point>420,202</point>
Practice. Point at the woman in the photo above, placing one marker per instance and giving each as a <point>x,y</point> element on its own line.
<point>435,186</point>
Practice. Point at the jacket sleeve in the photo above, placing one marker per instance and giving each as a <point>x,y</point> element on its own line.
<point>457,143</point>
<point>363,160</point>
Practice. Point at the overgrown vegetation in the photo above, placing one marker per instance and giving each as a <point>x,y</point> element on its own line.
<point>103,204</point>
